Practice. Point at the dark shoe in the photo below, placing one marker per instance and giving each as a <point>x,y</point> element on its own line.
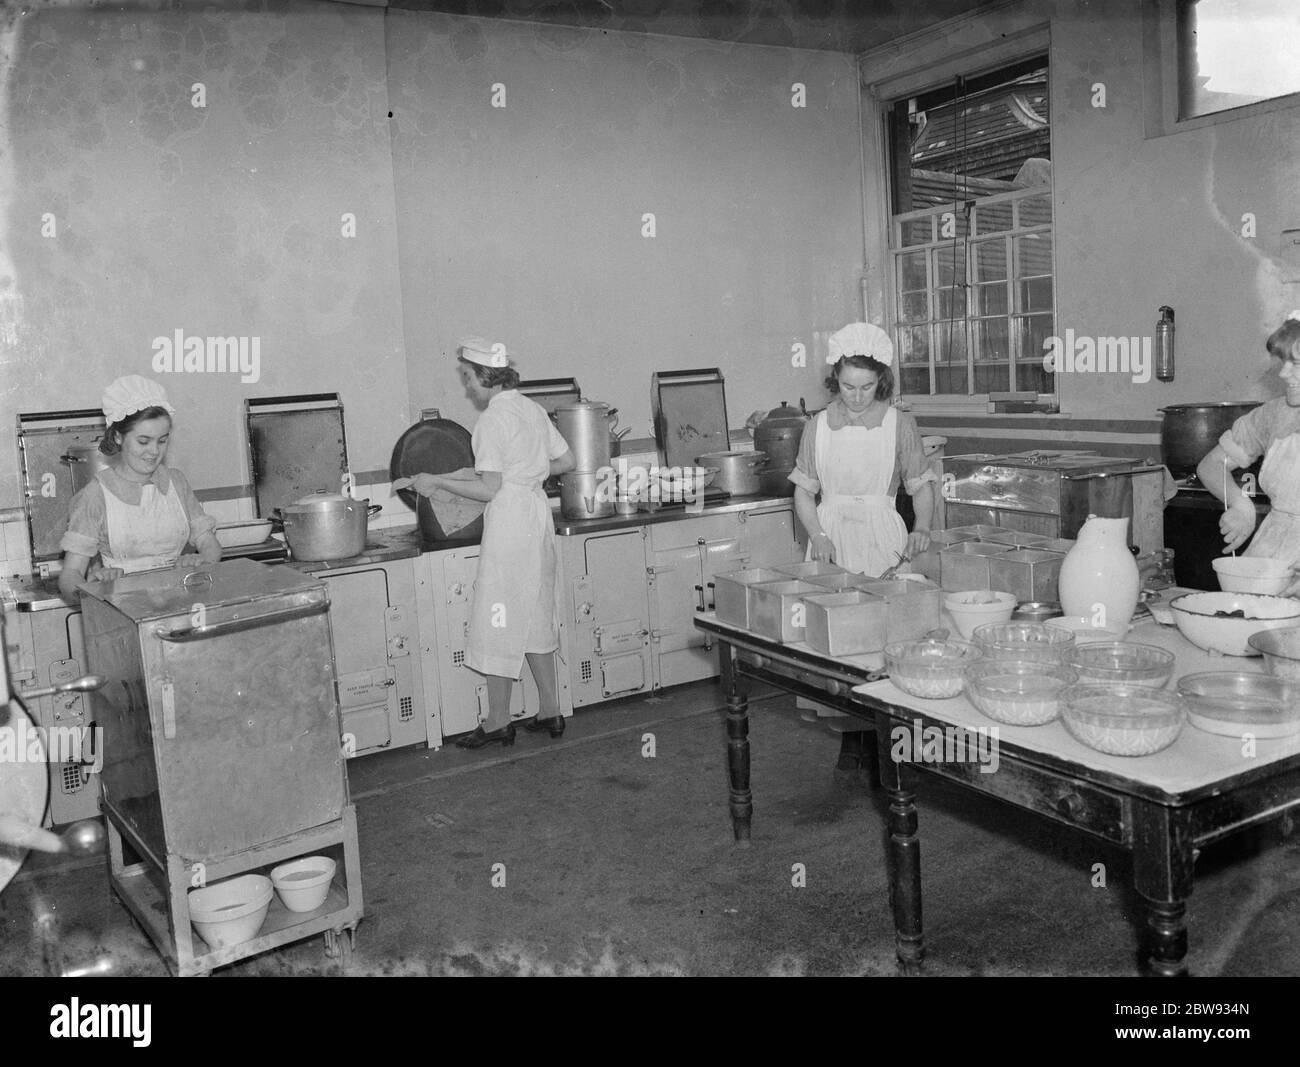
<point>480,739</point>
<point>554,725</point>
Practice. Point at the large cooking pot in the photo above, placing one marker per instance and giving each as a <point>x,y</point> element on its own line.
<point>588,494</point>
<point>778,435</point>
<point>738,472</point>
<point>1189,431</point>
<point>588,427</point>
<point>326,526</point>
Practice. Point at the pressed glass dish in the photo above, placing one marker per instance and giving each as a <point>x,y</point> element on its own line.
<point>1122,720</point>
<point>1022,640</point>
<point>932,668</point>
<point>1235,703</point>
<point>1121,663</point>
<point>1017,692</point>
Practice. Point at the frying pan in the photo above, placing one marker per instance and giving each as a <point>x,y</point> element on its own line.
<point>433,446</point>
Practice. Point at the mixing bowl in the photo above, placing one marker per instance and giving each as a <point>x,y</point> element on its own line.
<point>1120,663</point>
<point>1235,703</point>
<point>974,607</point>
<point>1022,640</point>
<point>231,912</point>
<point>1017,692</point>
<point>931,667</point>
<point>240,534</point>
<point>1252,574</point>
<point>1122,720</point>
<point>1224,622</point>
<point>1281,651</point>
<point>304,884</point>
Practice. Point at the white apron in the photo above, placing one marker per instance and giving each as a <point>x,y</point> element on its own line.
<point>515,589</point>
<point>152,534</point>
<point>1278,536</point>
<point>855,466</point>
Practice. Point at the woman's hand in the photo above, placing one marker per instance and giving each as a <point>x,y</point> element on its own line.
<point>424,484</point>
<point>823,548</point>
<point>917,542</point>
<point>1237,524</point>
<point>194,559</point>
<point>97,572</point>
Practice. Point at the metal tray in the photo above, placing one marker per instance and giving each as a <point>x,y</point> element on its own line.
<point>690,415</point>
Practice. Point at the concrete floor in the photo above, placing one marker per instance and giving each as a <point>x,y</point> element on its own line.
<point>618,863</point>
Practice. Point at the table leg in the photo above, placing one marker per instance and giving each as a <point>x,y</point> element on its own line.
<point>736,688</point>
<point>904,856</point>
<point>1163,858</point>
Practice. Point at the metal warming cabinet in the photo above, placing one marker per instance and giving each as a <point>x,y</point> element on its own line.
<point>221,748</point>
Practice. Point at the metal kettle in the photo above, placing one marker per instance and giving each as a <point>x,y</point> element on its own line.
<point>779,435</point>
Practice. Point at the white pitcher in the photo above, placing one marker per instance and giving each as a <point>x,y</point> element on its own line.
<point>1099,576</point>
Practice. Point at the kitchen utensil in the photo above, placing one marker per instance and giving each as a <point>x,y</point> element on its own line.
<point>1189,431</point>
<point>772,609</point>
<point>434,446</point>
<point>585,425</point>
<point>966,565</point>
<point>888,573</point>
<point>1022,640</point>
<point>239,534</point>
<point>1017,692</point>
<point>1099,575</point>
<point>731,592</point>
<point>1036,611</point>
<point>1235,703</point>
<point>778,435</point>
<point>1122,720</point>
<point>1252,574</point>
<point>847,623</point>
<point>930,667</point>
<point>970,608</point>
<point>913,607</point>
<point>326,526</point>
<point>1031,574</point>
<point>1281,651</point>
<point>588,494</point>
<point>738,472</point>
<point>1224,622</point>
<point>231,912</point>
<point>1120,663</point>
<point>303,884</point>
<point>1016,538</point>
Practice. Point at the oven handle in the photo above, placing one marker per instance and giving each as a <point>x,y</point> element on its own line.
<point>234,626</point>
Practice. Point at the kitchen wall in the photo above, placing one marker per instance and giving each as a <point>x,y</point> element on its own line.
<point>1140,221</point>
<point>525,223</point>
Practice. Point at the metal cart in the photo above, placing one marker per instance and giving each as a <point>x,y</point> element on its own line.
<point>221,749</point>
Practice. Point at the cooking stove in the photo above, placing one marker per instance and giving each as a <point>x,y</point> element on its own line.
<point>1192,530</point>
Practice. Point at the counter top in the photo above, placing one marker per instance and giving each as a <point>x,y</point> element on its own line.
<point>577,527</point>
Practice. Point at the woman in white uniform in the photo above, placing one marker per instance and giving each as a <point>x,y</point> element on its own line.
<point>1273,431</point>
<point>138,513</point>
<point>854,454</point>
<point>515,603</point>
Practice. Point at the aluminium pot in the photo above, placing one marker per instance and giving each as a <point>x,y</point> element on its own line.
<point>588,428</point>
<point>738,472</point>
<point>326,526</point>
<point>588,494</point>
<point>1189,431</point>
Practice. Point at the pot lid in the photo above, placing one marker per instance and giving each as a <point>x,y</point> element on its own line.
<point>785,413</point>
<point>324,502</point>
<point>581,405</point>
<point>433,446</point>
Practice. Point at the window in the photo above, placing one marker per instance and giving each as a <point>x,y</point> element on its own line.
<point>1232,53</point>
<point>971,234</point>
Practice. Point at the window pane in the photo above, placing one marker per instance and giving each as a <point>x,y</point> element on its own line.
<point>1033,376</point>
<point>949,265</point>
<point>951,379</point>
<point>991,299</point>
<point>915,380</point>
<point>951,303</point>
<point>1035,211</point>
<point>914,307</point>
<point>1036,294</point>
<point>990,260</point>
<point>917,232</point>
<point>1033,255</point>
<point>992,341</point>
<point>1034,331</point>
<point>1237,52</point>
<point>914,345</point>
<point>992,377</point>
<point>951,224</point>
<point>911,270</point>
<point>992,218</point>
<point>950,342</point>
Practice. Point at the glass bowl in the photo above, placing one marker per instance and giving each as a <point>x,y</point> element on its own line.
<point>1017,692</point>
<point>1281,651</point>
<point>1122,720</point>
<point>1120,662</point>
<point>1022,641</point>
<point>930,667</point>
<point>1235,703</point>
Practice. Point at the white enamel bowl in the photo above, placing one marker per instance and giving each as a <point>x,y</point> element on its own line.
<point>231,912</point>
<point>239,534</point>
<point>1252,574</point>
<point>1223,622</point>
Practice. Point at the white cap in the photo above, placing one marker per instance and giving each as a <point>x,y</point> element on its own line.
<point>1293,315</point>
<point>125,396</point>
<point>861,339</point>
<point>477,350</point>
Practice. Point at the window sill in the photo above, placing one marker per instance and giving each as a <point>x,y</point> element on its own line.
<point>970,406</point>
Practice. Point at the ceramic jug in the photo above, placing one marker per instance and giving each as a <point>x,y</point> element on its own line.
<point>1099,576</point>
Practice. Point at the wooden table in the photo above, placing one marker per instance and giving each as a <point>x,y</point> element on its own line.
<point>1163,808</point>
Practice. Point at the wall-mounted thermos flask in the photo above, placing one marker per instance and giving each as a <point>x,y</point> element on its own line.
<point>1165,345</point>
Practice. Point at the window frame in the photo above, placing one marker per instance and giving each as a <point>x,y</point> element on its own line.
<point>1162,81</point>
<point>879,98</point>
